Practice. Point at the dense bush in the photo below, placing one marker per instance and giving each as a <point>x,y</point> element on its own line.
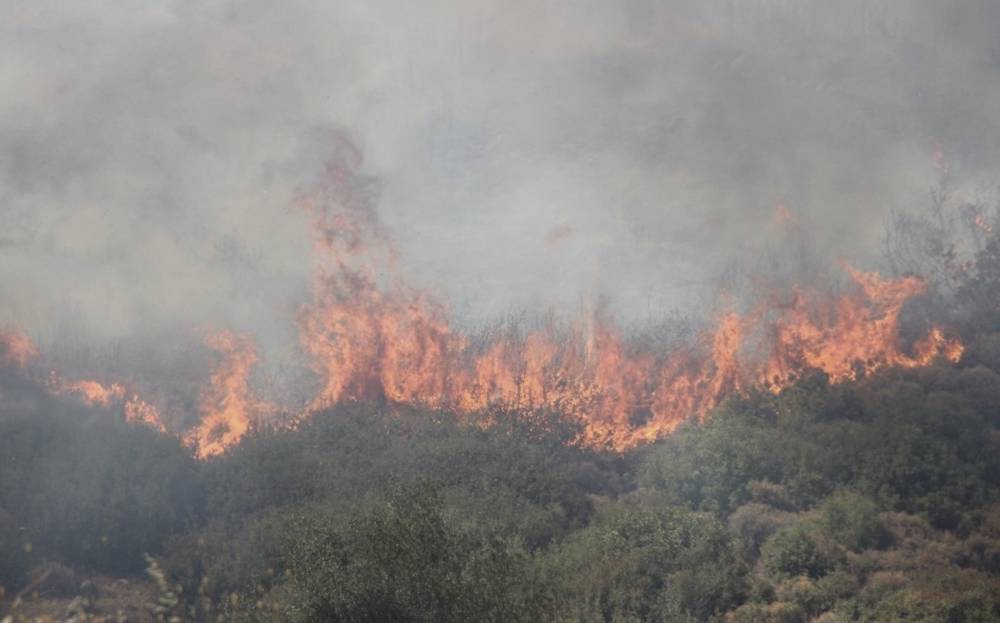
<point>402,561</point>
<point>94,491</point>
<point>754,523</point>
<point>852,520</point>
<point>800,549</point>
<point>866,501</point>
<point>520,479</point>
<point>639,563</point>
<point>896,438</point>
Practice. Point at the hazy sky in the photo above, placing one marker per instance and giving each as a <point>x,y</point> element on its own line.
<point>530,154</point>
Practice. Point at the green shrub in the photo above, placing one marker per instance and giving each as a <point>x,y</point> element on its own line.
<point>96,492</point>
<point>400,561</point>
<point>755,523</point>
<point>779,612</point>
<point>799,549</point>
<point>816,596</point>
<point>852,520</point>
<point>648,564</point>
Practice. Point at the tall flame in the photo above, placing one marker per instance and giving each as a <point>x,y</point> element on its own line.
<point>372,341</point>
<point>372,338</point>
<point>228,407</point>
<point>379,346</point>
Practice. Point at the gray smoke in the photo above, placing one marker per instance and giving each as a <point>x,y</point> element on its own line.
<point>529,154</point>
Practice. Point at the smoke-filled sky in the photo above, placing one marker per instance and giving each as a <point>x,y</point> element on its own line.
<point>528,154</point>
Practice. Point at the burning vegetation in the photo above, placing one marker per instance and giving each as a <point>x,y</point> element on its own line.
<point>228,407</point>
<point>16,350</point>
<point>392,344</point>
<point>793,459</point>
<point>626,347</point>
<point>374,339</point>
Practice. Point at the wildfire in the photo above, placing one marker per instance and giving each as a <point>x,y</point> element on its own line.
<point>16,350</point>
<point>96,394</point>
<point>387,342</point>
<point>398,348</point>
<point>92,392</point>
<point>373,338</point>
<point>853,334</point>
<point>228,407</point>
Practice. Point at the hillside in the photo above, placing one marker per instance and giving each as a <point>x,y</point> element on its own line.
<point>867,501</point>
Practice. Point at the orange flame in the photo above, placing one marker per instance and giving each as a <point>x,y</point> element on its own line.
<point>374,338</point>
<point>983,223</point>
<point>92,392</point>
<point>139,411</point>
<point>376,346</point>
<point>228,407</point>
<point>16,350</point>
<point>95,394</point>
<point>854,334</point>
<point>390,343</point>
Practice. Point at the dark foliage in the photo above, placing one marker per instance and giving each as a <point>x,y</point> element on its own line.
<point>875,500</point>
<point>91,490</point>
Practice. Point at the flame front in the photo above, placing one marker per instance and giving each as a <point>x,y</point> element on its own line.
<point>91,392</point>
<point>113,395</point>
<point>17,351</point>
<point>376,346</point>
<point>372,338</point>
<point>387,342</point>
<point>851,335</point>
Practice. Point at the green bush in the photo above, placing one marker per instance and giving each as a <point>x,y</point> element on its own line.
<point>816,596</point>
<point>639,564</point>
<point>779,612</point>
<point>401,561</point>
<point>799,549</point>
<point>766,511</point>
<point>96,492</point>
<point>852,520</point>
<point>220,558</point>
<point>755,523</point>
